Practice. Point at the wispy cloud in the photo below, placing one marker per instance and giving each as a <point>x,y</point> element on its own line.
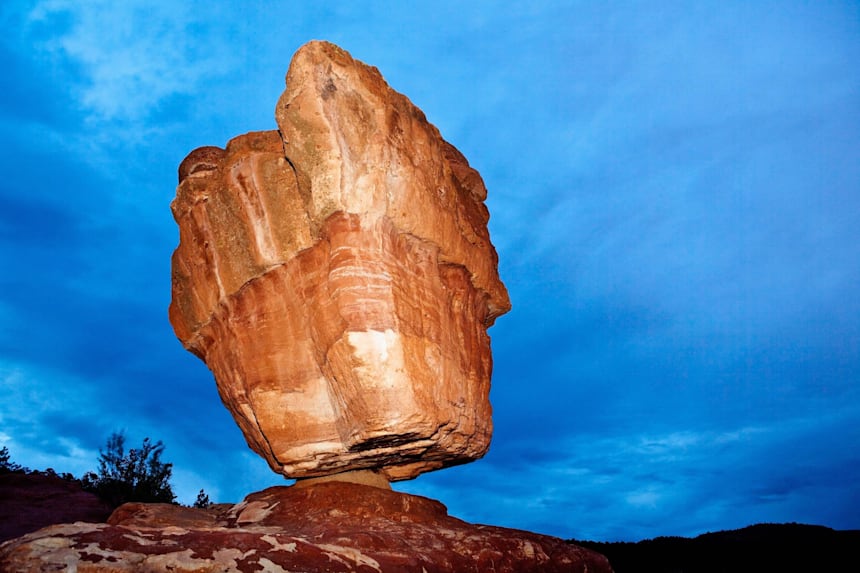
<point>649,481</point>
<point>32,397</point>
<point>134,56</point>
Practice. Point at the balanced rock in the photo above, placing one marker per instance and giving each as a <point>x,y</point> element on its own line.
<point>338,279</point>
<point>332,526</point>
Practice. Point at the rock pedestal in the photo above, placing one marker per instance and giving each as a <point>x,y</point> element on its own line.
<point>332,526</point>
<point>338,279</point>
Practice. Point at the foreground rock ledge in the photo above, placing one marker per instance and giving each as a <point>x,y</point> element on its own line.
<point>330,526</point>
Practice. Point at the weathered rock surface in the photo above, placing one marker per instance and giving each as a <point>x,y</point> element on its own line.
<point>338,279</point>
<point>331,526</point>
<point>31,501</point>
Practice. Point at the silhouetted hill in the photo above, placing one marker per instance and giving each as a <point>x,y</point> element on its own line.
<point>758,548</point>
<point>30,501</point>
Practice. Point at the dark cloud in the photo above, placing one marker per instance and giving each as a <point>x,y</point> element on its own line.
<point>33,224</point>
<point>85,431</point>
<point>33,94</point>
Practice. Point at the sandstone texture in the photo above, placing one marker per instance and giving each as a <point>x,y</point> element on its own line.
<point>337,277</point>
<point>332,526</point>
<point>31,501</point>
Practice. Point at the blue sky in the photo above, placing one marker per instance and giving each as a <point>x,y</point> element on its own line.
<point>675,194</point>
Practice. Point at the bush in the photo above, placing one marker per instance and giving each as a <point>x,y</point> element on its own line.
<point>202,500</point>
<point>138,475</point>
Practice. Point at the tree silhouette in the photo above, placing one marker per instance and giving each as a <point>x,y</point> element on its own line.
<point>202,501</point>
<point>6,463</point>
<point>136,475</point>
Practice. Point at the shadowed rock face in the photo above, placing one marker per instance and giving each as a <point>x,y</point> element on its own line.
<point>338,278</point>
<point>32,501</point>
<point>330,526</point>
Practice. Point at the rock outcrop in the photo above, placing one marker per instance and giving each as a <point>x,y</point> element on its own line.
<point>31,501</point>
<point>338,279</point>
<point>331,526</point>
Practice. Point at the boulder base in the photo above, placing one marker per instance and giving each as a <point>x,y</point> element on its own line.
<point>328,526</point>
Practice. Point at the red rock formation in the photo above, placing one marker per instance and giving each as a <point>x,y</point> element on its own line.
<point>329,526</point>
<point>338,278</point>
<point>31,501</point>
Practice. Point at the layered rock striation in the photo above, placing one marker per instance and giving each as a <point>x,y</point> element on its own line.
<point>337,277</point>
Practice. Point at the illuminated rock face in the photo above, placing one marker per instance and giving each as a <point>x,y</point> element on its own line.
<point>338,279</point>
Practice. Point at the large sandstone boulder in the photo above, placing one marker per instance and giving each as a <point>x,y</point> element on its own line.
<point>338,279</point>
<point>331,526</point>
